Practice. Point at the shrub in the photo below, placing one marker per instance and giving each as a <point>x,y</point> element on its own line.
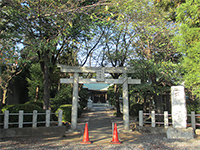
<point>66,112</point>
<point>134,109</point>
<point>67,108</point>
<point>38,103</point>
<point>63,97</point>
<point>83,93</point>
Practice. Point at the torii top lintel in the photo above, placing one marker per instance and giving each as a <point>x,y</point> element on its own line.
<point>72,69</point>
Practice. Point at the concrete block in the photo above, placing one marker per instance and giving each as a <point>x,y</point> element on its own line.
<point>180,133</point>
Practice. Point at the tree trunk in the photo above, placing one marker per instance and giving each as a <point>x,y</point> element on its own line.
<point>117,101</point>
<point>36,93</point>
<point>4,96</point>
<point>47,85</point>
<point>145,104</point>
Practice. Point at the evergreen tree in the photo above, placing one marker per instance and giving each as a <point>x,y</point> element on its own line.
<point>188,42</point>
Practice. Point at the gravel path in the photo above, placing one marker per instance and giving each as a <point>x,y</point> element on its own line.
<point>100,136</point>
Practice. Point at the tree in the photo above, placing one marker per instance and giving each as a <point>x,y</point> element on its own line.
<point>116,47</point>
<point>10,66</point>
<point>154,57</point>
<point>45,28</point>
<point>140,32</point>
<point>169,6</point>
<point>188,43</point>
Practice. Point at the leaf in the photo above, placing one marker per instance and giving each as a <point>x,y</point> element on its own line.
<point>70,24</point>
<point>106,8</point>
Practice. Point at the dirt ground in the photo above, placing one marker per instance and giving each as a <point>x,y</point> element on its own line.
<point>100,135</point>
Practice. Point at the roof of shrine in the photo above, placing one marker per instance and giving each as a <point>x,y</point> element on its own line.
<point>97,86</point>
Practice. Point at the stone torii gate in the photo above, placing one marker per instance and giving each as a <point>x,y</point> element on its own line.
<point>99,79</point>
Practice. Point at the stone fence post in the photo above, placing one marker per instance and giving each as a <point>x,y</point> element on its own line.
<point>141,118</point>
<point>21,118</point>
<point>153,119</point>
<point>47,118</point>
<point>34,125</point>
<point>193,120</point>
<point>60,118</point>
<point>166,120</point>
<point>6,119</point>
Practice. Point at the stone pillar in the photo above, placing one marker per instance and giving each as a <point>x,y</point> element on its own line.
<point>34,125</point>
<point>179,115</point>
<point>48,115</point>
<point>21,118</point>
<point>141,118</point>
<point>60,114</point>
<point>6,119</point>
<point>153,119</point>
<point>193,120</point>
<point>166,120</point>
<point>179,112</point>
<point>125,102</point>
<point>75,102</point>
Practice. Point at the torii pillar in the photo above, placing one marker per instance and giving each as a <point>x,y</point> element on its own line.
<point>74,113</point>
<point>125,103</point>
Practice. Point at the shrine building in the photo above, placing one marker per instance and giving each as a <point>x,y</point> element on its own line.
<point>97,92</point>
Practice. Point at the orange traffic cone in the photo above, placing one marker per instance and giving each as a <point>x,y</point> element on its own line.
<point>115,136</point>
<point>86,136</point>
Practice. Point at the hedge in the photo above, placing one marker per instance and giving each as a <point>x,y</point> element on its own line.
<point>67,108</point>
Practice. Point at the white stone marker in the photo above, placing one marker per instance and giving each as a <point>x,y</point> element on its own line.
<point>179,115</point>
<point>179,111</point>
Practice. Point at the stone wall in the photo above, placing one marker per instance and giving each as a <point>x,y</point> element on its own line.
<point>31,132</point>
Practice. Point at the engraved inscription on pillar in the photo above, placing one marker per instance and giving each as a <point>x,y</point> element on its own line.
<point>100,75</point>
<point>179,112</point>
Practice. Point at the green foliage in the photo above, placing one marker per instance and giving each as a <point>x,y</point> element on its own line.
<point>38,103</point>
<point>7,107</point>
<point>35,82</point>
<point>27,108</point>
<point>83,94</point>
<point>47,32</point>
<point>152,55</point>
<point>63,96</point>
<point>193,105</point>
<point>111,96</point>
<point>67,108</point>
<point>170,6</point>
<point>188,42</point>
<point>135,108</point>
